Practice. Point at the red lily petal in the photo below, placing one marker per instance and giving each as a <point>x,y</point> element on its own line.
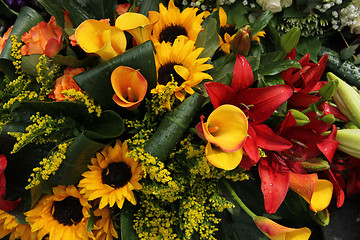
<point>274,185</point>
<point>220,93</point>
<point>288,72</point>
<point>5,205</point>
<point>315,74</point>
<point>329,109</point>
<point>243,77</point>
<point>353,182</point>
<point>288,123</point>
<point>329,145</point>
<point>267,139</point>
<point>246,162</point>
<point>338,191</point>
<point>250,146</point>
<point>302,100</point>
<point>262,102</point>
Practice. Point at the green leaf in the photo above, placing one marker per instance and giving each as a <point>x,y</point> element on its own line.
<point>357,60</point>
<point>149,5</point>
<point>347,52</point>
<point>6,11</point>
<point>26,19</point>
<point>173,126</point>
<point>222,66</point>
<point>276,68</point>
<point>90,224</point>
<point>140,57</point>
<point>311,45</point>
<point>81,10</point>
<point>127,222</point>
<point>261,22</point>
<point>72,61</point>
<point>236,14</point>
<point>208,39</point>
<point>54,9</point>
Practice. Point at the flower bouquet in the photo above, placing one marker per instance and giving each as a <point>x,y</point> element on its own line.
<point>177,119</point>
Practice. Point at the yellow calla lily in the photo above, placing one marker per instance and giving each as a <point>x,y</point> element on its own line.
<point>99,37</point>
<point>221,159</point>
<point>138,25</point>
<point>317,192</point>
<point>130,87</point>
<point>276,231</point>
<point>226,127</point>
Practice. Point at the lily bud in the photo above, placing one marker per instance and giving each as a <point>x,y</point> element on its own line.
<point>241,42</point>
<point>322,217</point>
<point>347,99</point>
<point>329,119</point>
<point>315,165</point>
<point>300,118</point>
<point>349,141</point>
<point>350,125</point>
<point>290,39</point>
<point>329,89</point>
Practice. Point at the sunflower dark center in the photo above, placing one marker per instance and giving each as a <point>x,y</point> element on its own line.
<point>167,72</point>
<point>117,174</point>
<point>170,33</point>
<point>230,29</point>
<point>67,211</point>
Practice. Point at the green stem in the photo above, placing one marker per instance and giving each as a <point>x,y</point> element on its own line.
<point>238,200</point>
<point>309,109</point>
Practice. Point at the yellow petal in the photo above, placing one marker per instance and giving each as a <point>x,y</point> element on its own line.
<point>226,127</point>
<point>322,195</point>
<point>222,17</point>
<point>221,159</point>
<point>182,71</point>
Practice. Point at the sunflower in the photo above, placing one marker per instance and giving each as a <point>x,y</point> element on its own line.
<point>179,62</point>
<point>227,32</point>
<point>103,224</point>
<point>173,23</point>
<point>112,177</point>
<point>8,224</point>
<point>63,215</point>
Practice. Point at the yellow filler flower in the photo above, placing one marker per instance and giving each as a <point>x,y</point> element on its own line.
<point>173,23</point>
<point>63,215</point>
<point>99,37</point>
<point>112,177</point>
<point>179,62</point>
<point>130,87</point>
<point>226,131</point>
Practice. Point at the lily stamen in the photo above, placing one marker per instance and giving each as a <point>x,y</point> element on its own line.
<point>213,129</point>
<point>298,142</point>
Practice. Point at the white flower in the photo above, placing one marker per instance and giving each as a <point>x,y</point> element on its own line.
<point>271,5</point>
<point>355,26</point>
<point>286,3</point>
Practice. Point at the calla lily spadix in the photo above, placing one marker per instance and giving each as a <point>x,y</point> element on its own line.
<point>226,129</point>
<point>138,25</point>
<point>99,37</point>
<point>129,85</point>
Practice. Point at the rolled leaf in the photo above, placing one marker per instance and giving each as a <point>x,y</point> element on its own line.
<point>173,126</point>
<point>208,39</point>
<point>53,8</point>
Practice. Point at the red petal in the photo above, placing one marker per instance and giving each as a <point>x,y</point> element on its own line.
<point>329,145</point>
<point>262,102</point>
<point>339,193</point>
<point>5,205</point>
<point>250,146</point>
<point>219,93</point>
<point>243,77</point>
<point>314,74</point>
<point>267,139</point>
<point>274,185</point>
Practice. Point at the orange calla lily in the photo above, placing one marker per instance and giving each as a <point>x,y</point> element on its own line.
<point>99,37</point>
<point>276,231</point>
<point>221,159</point>
<point>130,87</point>
<point>317,192</point>
<point>138,25</point>
<point>226,127</point>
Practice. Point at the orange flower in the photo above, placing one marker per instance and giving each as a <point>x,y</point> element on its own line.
<point>44,38</point>
<point>122,8</point>
<point>317,192</point>
<point>4,38</point>
<point>129,85</point>
<point>65,82</point>
<point>276,231</point>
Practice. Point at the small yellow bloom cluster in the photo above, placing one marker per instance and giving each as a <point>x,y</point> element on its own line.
<point>45,77</point>
<point>48,165</point>
<point>85,99</point>
<point>153,222</point>
<point>15,53</point>
<point>220,203</point>
<point>24,96</point>
<point>163,97</point>
<point>38,132</point>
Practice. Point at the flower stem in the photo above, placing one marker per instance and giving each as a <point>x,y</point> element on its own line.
<point>238,200</point>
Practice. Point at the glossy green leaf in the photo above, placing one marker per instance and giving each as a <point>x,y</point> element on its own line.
<point>311,45</point>
<point>261,22</point>
<point>26,19</point>
<point>348,52</point>
<point>140,57</point>
<point>276,68</point>
<point>54,8</point>
<point>222,66</point>
<point>127,231</point>
<point>236,14</point>
<point>173,126</point>
<point>208,39</point>
<point>81,10</point>
<point>149,5</point>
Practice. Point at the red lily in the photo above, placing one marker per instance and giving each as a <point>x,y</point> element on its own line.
<point>274,170</point>
<point>257,103</point>
<point>5,205</point>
